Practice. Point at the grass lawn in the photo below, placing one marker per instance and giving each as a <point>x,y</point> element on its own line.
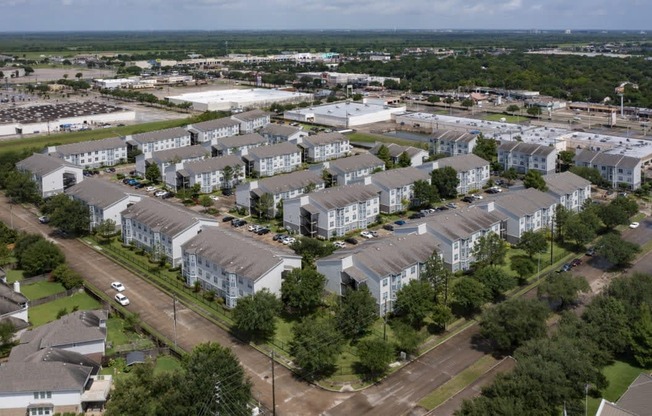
<point>372,138</point>
<point>620,375</point>
<point>119,336</point>
<point>457,383</point>
<point>166,363</point>
<point>42,289</point>
<point>508,118</point>
<point>42,314</point>
<point>14,275</point>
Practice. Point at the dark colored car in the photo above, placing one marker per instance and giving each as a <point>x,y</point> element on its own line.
<point>416,215</point>
<point>238,223</point>
<point>468,199</point>
<point>227,191</point>
<point>263,231</point>
<point>590,251</point>
<point>126,180</point>
<point>168,195</point>
<point>227,218</point>
<point>388,227</point>
<point>139,185</point>
<point>399,222</point>
<point>351,240</point>
<point>278,237</point>
<point>576,262</point>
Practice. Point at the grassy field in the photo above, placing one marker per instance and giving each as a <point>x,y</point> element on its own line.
<point>508,118</point>
<point>166,363</point>
<point>372,138</point>
<point>42,289</point>
<point>457,383</point>
<point>42,314</point>
<point>14,275</point>
<point>118,336</point>
<point>620,375</point>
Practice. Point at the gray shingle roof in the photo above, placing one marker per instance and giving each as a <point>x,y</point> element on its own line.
<point>238,141</point>
<point>235,253</point>
<point>288,182</point>
<point>397,178</point>
<point>62,356</point>
<point>40,164</point>
<point>43,376</point>
<point>606,159</point>
<point>163,217</point>
<point>455,136</point>
<point>354,163</point>
<point>211,125</point>
<point>637,399</point>
<point>280,149</point>
<point>462,163</point>
<point>342,196</point>
<point>89,146</point>
<point>181,153</point>
<point>524,202</point>
<point>526,148</point>
<point>611,409</point>
<point>460,224</point>
<point>396,150</point>
<point>213,164</point>
<point>324,138</point>
<point>155,136</point>
<point>250,115</point>
<point>7,292</point>
<point>565,183</point>
<point>97,192</point>
<point>279,130</point>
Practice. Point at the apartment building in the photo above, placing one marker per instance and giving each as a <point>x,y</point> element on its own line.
<point>51,174</point>
<point>324,146</point>
<point>417,156</point>
<point>350,169</point>
<point>618,170</point>
<point>166,160</point>
<point>211,174</point>
<point>238,144</point>
<point>158,140</point>
<point>570,190</point>
<point>272,160</point>
<point>251,121</point>
<point>396,187</point>
<point>473,172</point>
<point>453,143</point>
<point>527,156</point>
<point>92,154</point>
<point>281,133</point>
<point>209,132</point>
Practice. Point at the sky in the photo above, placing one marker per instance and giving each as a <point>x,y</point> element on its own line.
<point>94,15</point>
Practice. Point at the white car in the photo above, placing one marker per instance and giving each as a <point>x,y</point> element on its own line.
<point>634,225</point>
<point>367,234</point>
<point>160,193</point>
<point>150,188</point>
<point>214,197</point>
<point>122,299</point>
<point>339,244</point>
<point>118,286</point>
<point>289,240</point>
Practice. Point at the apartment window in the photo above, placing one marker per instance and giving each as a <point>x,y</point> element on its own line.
<point>385,282</point>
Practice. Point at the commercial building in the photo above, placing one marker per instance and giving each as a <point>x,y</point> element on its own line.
<point>238,99</point>
<point>344,115</point>
<point>94,153</point>
<point>51,174</point>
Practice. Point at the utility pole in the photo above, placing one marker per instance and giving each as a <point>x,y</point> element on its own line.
<point>552,237</point>
<point>174,314</point>
<point>385,322</point>
<point>217,398</point>
<point>273,387</point>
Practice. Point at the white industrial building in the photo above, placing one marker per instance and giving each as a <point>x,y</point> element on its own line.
<point>237,99</point>
<point>346,114</point>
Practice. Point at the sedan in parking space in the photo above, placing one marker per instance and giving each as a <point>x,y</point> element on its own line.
<point>150,188</point>
<point>214,197</point>
<point>263,231</point>
<point>44,219</point>
<point>399,222</point>
<point>279,237</point>
<point>634,225</point>
<point>388,227</point>
<point>468,199</point>
<point>366,234</point>
<point>351,240</point>
<point>118,286</point>
<point>289,240</point>
<point>416,216</point>
<point>227,218</point>
<point>451,205</point>
<point>160,194</point>
<point>122,299</point>
<point>575,262</point>
<point>339,244</point>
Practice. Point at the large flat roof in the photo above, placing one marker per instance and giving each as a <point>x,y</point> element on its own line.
<point>238,95</point>
<point>343,110</point>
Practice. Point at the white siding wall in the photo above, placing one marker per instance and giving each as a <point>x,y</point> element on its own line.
<point>22,400</point>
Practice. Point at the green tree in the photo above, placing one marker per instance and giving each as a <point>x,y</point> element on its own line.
<point>510,174</point>
<point>607,324</point>
<point>577,230</point>
<point>469,294</point>
<point>495,280</point>
<point>310,249</point>
<point>424,194</point>
<point>66,276</point>
<point>315,345</point>
<point>629,205</point>
<point>489,249</point>
<point>533,242</point>
<point>106,228</point>
<point>375,356</point>
<point>404,160</point>
<point>641,337</point>
<point>40,257</point>
<point>513,322</point>
<point>7,331</point>
<point>616,250</point>
<point>467,103</point>
<point>67,214</point>
<point>534,110</point>
<point>7,235</point>
<point>562,289</point>
<point>255,315</point>
<point>265,205</point>
<point>302,289</point>
<point>356,313</point>
<point>414,302</point>
<point>513,108</point>
<point>523,267</point>
<point>407,339</point>
<point>534,179</point>
<point>441,316</point>
<point>590,174</point>
<point>20,187</point>
<point>205,201</point>
<point>436,273</point>
<point>384,155</point>
<point>566,159</point>
<point>78,75</point>
<point>612,215</point>
<point>561,219</point>
<point>445,181</point>
<point>153,173</point>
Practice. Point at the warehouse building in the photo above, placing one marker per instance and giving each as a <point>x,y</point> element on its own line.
<point>238,99</point>
<point>344,115</point>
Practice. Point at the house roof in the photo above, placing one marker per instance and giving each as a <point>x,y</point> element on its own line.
<point>163,217</point>
<point>455,136</point>
<point>40,164</point>
<point>62,356</point>
<point>288,182</point>
<point>235,252</point>
<point>638,397</point>
<point>210,125</point>
<point>460,224</point>
<point>7,293</point>
<point>212,164</point>
<point>523,202</point>
<point>18,377</point>
<point>242,140</point>
<point>354,163</point>
<point>98,193</point>
<point>398,178</point>
<point>157,135</point>
<point>18,323</point>
<point>612,409</point>
<point>396,150</point>
<point>527,148</point>
<point>462,163</point>
<point>386,256</point>
<point>324,138</point>
<point>565,183</point>
<point>274,150</point>
<point>89,146</point>
<point>282,130</point>
<point>250,115</point>
<point>180,154</point>
<point>606,159</point>
<point>342,196</point>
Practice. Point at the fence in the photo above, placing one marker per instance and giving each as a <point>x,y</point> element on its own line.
<point>56,296</point>
<point>150,353</point>
<point>34,279</point>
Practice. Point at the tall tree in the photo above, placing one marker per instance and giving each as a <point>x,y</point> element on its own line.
<point>302,289</point>
<point>20,187</point>
<point>641,338</point>
<point>404,160</point>
<point>7,331</point>
<point>513,322</point>
<point>469,294</point>
<point>414,302</point>
<point>590,174</point>
<point>510,174</point>
<point>106,228</point>
<point>424,193</point>
<point>445,181</point>
<point>265,206</point>
<point>384,155</point>
<point>356,313</point>
<point>576,229</point>
<point>561,219</point>
<point>496,280</point>
<point>616,250</point>
<point>607,324</point>
<point>523,267</point>
<point>436,273</point>
<point>489,249</point>
<point>153,173</point>
<point>375,356</point>
<point>67,214</point>
<point>612,215</point>
<point>534,179</point>
<point>40,257</point>
<point>486,148</point>
<point>255,314</point>
<point>562,289</point>
<point>533,242</point>
<point>315,345</point>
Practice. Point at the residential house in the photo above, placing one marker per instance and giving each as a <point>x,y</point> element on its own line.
<point>211,174</point>
<point>619,170</point>
<point>105,200</point>
<point>93,153</point>
<point>324,146</point>
<point>332,212</point>
<point>51,174</point>
<point>417,156</point>
<point>473,172</point>
<point>237,144</point>
<point>281,187</point>
<point>527,156</point>
<point>396,187</point>
<point>384,266</point>
<point>272,160</point>
<point>453,143</point>
<point>570,190</point>
<point>209,132</point>
<point>281,133</point>
<point>634,402</point>
<point>14,305</point>
<point>158,140</point>
<point>457,232</point>
<point>234,265</point>
<point>251,121</point>
<point>526,210</point>
<point>162,228</point>
<point>350,169</point>
<point>166,160</point>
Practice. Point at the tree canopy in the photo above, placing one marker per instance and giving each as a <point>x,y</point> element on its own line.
<point>356,313</point>
<point>445,181</point>
<point>302,289</point>
<point>67,214</point>
<point>496,280</point>
<point>533,242</point>
<point>534,179</point>
<point>511,323</point>
<point>255,314</point>
<point>489,249</point>
<point>616,250</point>
<point>486,148</point>
<point>315,345</point>
<point>562,289</point>
<point>414,302</point>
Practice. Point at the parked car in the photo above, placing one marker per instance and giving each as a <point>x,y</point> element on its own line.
<point>263,231</point>
<point>236,222</point>
<point>494,190</point>
<point>634,225</point>
<point>565,268</point>
<point>575,262</point>
<point>44,219</point>
<point>339,244</point>
<point>416,215</point>
<point>289,240</point>
<point>452,205</point>
<point>214,197</point>
<point>351,240</point>
<point>139,185</point>
<point>160,193</point>
<point>109,170</point>
<point>279,237</point>
<point>399,222</point>
<point>468,199</point>
<point>168,195</point>
<point>118,286</point>
<point>122,299</point>
<point>388,227</point>
<point>366,234</point>
<point>150,188</point>
<point>590,251</point>
<point>126,180</point>
<point>227,218</point>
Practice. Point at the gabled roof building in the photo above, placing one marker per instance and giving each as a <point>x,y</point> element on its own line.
<point>51,174</point>
<point>93,153</point>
